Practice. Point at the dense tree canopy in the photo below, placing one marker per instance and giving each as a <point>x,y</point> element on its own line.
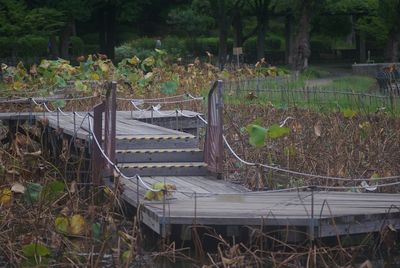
<point>300,28</point>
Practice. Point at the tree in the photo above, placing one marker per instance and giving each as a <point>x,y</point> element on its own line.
<point>302,12</point>
<point>189,22</point>
<point>21,25</point>
<point>261,10</point>
<point>389,12</point>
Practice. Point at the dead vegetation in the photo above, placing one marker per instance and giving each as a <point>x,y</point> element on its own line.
<point>334,144</point>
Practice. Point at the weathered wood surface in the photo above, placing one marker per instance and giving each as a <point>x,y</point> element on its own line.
<point>126,125</point>
<point>221,203</point>
<point>204,200</point>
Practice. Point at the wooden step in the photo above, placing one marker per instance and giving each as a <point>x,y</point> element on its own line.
<point>165,169</point>
<point>159,155</point>
<point>156,142</point>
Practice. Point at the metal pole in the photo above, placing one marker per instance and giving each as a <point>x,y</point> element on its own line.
<point>176,116</point>
<point>30,111</point>
<point>58,118</point>
<point>74,123</point>
<point>137,192</point>
<point>312,224</point>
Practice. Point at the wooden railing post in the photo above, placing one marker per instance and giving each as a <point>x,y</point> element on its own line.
<point>110,118</point>
<point>214,144</point>
<point>96,157</point>
<point>100,166</point>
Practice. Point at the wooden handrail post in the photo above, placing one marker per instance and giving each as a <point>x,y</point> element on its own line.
<point>214,144</point>
<point>96,156</point>
<point>110,119</point>
<point>109,107</point>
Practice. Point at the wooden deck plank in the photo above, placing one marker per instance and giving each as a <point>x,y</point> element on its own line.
<point>218,202</point>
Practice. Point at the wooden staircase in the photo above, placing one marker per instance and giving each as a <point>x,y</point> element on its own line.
<point>176,154</point>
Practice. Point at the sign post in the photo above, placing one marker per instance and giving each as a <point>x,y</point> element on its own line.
<point>238,51</point>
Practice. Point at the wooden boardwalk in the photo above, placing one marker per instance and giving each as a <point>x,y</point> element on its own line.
<point>161,154</point>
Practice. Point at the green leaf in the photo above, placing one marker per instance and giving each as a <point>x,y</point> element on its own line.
<point>149,61</point>
<point>349,114</point>
<point>161,51</point>
<point>257,134</point>
<point>53,190</point>
<point>169,87</point>
<point>32,192</point>
<point>61,223</point>
<point>80,86</point>
<point>60,82</point>
<point>276,131</point>
<point>59,103</point>
<point>142,82</point>
<point>96,231</point>
<point>35,249</point>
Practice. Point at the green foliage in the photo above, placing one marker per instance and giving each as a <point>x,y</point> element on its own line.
<point>321,44</point>
<point>169,87</point>
<point>77,46</point>
<point>189,22</point>
<point>351,84</point>
<point>32,192</point>
<point>349,113</point>
<point>258,134</point>
<point>35,250</point>
<point>272,43</point>
<point>52,190</point>
<point>159,188</point>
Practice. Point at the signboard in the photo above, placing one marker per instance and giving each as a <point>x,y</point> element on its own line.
<point>237,51</point>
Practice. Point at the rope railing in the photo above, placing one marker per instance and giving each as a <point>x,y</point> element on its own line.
<point>303,174</point>
<point>270,167</point>
<point>163,100</point>
<point>42,99</point>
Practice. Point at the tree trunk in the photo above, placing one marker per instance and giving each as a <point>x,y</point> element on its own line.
<point>261,28</point>
<point>65,37</point>
<point>288,39</point>
<point>106,26</point>
<point>392,47</point>
<point>301,42</point>
<point>237,25</point>
<point>223,26</point>
<point>53,49</point>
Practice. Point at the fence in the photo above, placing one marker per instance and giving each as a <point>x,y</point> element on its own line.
<point>286,93</point>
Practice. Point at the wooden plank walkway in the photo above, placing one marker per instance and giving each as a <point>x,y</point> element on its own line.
<point>217,202</point>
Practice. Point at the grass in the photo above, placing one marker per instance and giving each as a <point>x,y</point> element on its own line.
<point>352,83</point>
<point>350,92</point>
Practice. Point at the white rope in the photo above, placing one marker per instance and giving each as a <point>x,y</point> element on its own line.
<point>194,98</point>
<point>153,99</point>
<point>61,112</point>
<point>237,157</point>
<point>80,116</point>
<point>116,168</point>
<point>301,173</point>
<point>186,115</point>
<point>47,108</point>
<point>202,119</point>
<point>136,107</point>
<point>157,110</point>
<point>171,102</point>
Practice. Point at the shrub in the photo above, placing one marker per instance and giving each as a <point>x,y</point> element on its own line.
<point>199,46</point>
<point>127,51</point>
<point>7,45</point>
<point>143,43</point>
<point>32,45</point>
<point>77,45</point>
<point>320,44</point>
<point>175,46</point>
<point>272,42</point>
